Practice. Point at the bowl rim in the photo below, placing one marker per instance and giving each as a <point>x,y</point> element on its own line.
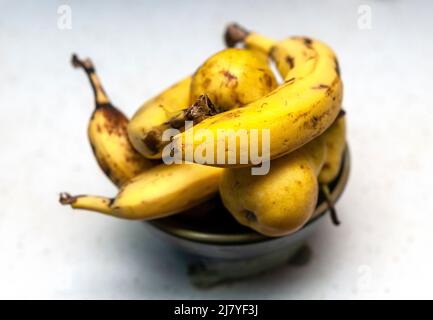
<point>252,237</point>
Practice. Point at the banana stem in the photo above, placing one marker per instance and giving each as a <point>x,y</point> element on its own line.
<point>92,203</point>
<point>201,109</point>
<point>197,112</point>
<point>330,202</point>
<point>101,97</point>
<point>235,34</point>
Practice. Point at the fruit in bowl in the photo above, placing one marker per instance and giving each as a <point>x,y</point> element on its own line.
<point>265,154</point>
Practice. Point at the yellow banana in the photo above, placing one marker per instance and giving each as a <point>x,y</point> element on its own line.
<point>335,140</point>
<point>232,78</point>
<point>160,191</point>
<point>334,136</point>
<point>235,34</point>
<point>283,53</point>
<point>146,126</point>
<point>280,202</point>
<point>108,136</point>
<point>296,112</point>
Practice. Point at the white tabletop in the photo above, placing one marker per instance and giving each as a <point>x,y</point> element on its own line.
<point>381,250</point>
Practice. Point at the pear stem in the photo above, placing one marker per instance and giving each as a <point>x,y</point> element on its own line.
<point>330,202</point>
<point>341,114</point>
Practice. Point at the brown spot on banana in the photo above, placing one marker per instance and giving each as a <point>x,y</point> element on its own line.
<point>290,61</point>
<point>308,42</point>
<point>320,86</point>
<point>317,120</point>
<point>152,140</point>
<point>290,81</point>
<point>302,115</point>
<point>268,80</point>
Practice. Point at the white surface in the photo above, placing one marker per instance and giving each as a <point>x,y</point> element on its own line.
<point>383,247</point>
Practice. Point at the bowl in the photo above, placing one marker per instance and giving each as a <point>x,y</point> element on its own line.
<point>218,248</point>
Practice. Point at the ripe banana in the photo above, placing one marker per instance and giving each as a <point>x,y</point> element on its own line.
<point>296,112</point>
<point>148,123</point>
<point>158,192</point>
<point>237,34</point>
<point>334,136</point>
<point>280,202</point>
<point>232,78</point>
<point>107,134</point>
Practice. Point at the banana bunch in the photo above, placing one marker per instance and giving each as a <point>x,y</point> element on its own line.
<point>234,89</point>
<point>148,189</point>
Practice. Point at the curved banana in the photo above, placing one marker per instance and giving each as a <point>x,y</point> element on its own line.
<point>235,34</point>
<point>107,134</point>
<point>229,79</point>
<point>283,53</point>
<point>146,126</point>
<point>280,202</point>
<point>334,136</point>
<point>335,140</point>
<point>296,112</point>
<point>158,192</point>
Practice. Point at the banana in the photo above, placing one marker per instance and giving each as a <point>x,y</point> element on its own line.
<point>334,136</point>
<point>280,202</point>
<point>335,140</point>
<point>228,79</point>
<point>232,78</point>
<point>283,53</point>
<point>237,34</point>
<point>148,123</point>
<point>158,192</point>
<point>296,112</point>
<point>108,135</point>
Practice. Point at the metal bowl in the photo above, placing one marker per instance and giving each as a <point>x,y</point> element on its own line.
<point>220,248</point>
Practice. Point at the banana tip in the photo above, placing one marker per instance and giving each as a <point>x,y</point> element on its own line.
<point>66,199</point>
<point>86,64</point>
<point>235,34</point>
<point>75,61</point>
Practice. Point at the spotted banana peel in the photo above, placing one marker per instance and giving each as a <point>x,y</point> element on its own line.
<point>297,111</point>
<point>108,135</point>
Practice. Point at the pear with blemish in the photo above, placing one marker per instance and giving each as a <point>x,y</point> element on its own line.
<point>233,77</point>
<point>280,202</point>
<point>335,140</point>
